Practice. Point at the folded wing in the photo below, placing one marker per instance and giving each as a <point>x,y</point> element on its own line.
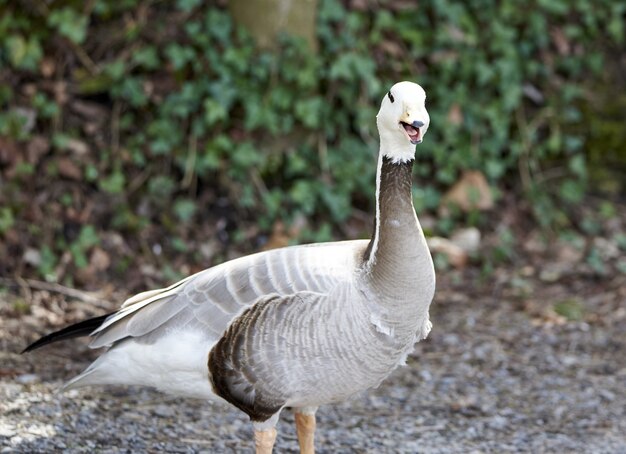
<point>210,300</point>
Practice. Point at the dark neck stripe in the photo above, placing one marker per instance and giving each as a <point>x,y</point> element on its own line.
<point>395,178</point>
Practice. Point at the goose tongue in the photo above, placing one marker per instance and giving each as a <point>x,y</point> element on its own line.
<point>414,133</point>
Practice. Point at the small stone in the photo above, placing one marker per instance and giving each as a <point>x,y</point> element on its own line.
<point>428,222</point>
<point>471,192</point>
<point>164,411</point>
<point>569,360</point>
<point>69,169</point>
<point>36,148</point>
<point>533,93</point>
<point>607,395</point>
<point>553,272</point>
<point>29,117</point>
<point>7,430</point>
<point>608,249</point>
<point>16,440</point>
<point>456,256</point>
<point>425,375</point>
<point>570,253</point>
<point>535,244</point>
<point>208,249</point>
<point>467,239</point>
<point>32,257</point>
<point>26,379</point>
<point>77,147</point>
<point>498,422</point>
<point>47,67</point>
<point>455,115</point>
<point>99,259</point>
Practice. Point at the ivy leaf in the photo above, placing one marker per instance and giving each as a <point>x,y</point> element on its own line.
<point>69,23</point>
<point>187,5</point>
<point>572,191</point>
<point>147,58</point>
<point>7,220</point>
<point>23,53</point>
<point>185,209</point>
<point>114,183</point>
<point>214,112</point>
<point>308,112</point>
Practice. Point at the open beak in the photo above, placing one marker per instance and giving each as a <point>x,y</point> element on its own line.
<point>413,131</point>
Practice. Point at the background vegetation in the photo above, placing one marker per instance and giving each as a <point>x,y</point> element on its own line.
<point>153,138</point>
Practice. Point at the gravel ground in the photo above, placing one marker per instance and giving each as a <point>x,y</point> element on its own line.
<point>500,372</point>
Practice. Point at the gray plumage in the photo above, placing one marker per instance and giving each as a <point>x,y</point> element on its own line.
<point>299,326</point>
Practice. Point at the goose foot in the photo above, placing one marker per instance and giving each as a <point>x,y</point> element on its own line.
<point>305,427</point>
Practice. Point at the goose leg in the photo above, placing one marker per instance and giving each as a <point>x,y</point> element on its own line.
<point>265,434</point>
<point>264,440</point>
<point>305,427</point>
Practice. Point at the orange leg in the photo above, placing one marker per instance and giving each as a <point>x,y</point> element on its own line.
<point>264,440</point>
<point>305,427</point>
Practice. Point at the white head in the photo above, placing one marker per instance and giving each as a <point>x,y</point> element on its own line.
<point>402,121</point>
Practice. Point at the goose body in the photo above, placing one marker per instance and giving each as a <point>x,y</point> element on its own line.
<point>297,327</point>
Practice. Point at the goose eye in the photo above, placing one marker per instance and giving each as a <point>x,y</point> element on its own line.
<point>390,96</point>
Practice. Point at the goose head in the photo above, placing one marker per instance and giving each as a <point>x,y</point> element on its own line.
<point>402,121</point>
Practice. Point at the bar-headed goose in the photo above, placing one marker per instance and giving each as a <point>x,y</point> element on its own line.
<point>295,327</point>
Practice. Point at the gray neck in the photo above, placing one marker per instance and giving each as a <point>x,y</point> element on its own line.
<point>397,258</point>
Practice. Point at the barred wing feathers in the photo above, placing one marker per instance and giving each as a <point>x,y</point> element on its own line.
<point>213,298</point>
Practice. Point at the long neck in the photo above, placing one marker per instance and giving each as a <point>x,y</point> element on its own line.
<point>397,259</point>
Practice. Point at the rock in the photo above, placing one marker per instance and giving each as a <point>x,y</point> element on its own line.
<point>7,430</point>
<point>279,237</point>
<point>47,66</point>
<point>428,222</point>
<point>552,272</point>
<point>471,192</point>
<point>569,253</point>
<point>77,147</point>
<point>456,256</point>
<point>208,249</point>
<point>467,239</point>
<point>29,117</point>
<point>455,116</point>
<point>90,110</point>
<point>533,93</point>
<point>535,244</point>
<point>282,236</point>
<point>32,257</point>
<point>606,248</point>
<point>26,379</point>
<point>9,152</point>
<point>607,395</point>
<point>36,148</point>
<point>164,411</point>
<point>498,422</point>
<point>425,375</point>
<point>68,169</point>
<point>569,360</point>
<point>99,259</point>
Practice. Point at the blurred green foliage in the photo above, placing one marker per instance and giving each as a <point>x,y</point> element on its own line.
<point>189,105</point>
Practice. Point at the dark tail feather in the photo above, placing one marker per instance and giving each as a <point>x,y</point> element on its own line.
<point>79,329</point>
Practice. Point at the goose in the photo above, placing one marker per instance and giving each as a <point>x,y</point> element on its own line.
<point>296,327</point>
